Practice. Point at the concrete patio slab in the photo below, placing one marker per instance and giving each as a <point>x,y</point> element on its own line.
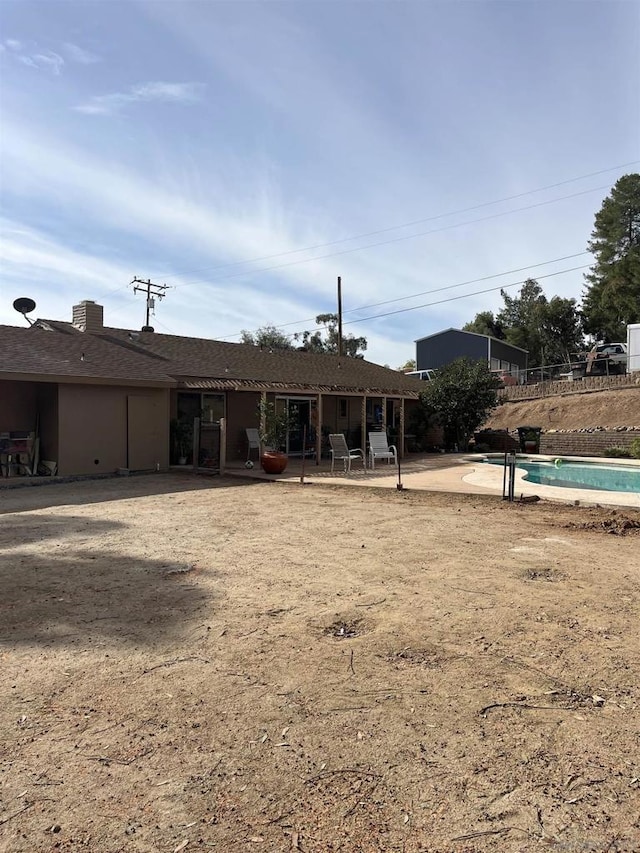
<point>459,473</point>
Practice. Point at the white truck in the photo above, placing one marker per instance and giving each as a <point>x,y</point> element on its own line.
<point>425,375</point>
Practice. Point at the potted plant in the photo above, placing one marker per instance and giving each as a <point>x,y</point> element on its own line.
<point>273,431</point>
<point>181,439</point>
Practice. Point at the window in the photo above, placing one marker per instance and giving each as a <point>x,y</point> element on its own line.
<point>212,408</point>
<point>343,408</point>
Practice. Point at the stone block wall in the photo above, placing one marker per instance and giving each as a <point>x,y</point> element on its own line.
<point>589,383</point>
<point>585,443</point>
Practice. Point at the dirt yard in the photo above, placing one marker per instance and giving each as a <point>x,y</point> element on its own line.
<point>220,665</point>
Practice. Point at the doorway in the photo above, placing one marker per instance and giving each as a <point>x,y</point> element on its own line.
<point>302,413</point>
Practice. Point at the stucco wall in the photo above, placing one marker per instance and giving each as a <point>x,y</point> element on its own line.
<point>47,402</point>
<point>242,413</point>
<point>18,406</point>
<point>93,428</point>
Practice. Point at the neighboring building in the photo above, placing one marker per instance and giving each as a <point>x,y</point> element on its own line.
<point>633,347</point>
<point>98,399</point>
<point>435,351</point>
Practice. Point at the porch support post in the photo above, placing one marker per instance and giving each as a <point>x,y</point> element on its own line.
<point>263,401</point>
<point>195,444</point>
<point>401,430</point>
<point>223,446</point>
<point>364,425</point>
<point>319,431</point>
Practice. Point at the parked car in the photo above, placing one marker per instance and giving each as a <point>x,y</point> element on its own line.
<point>605,359</point>
<point>426,375</point>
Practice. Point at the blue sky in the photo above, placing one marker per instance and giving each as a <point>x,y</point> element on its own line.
<point>205,144</point>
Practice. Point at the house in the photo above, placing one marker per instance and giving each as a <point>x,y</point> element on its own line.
<point>441,348</point>
<point>98,399</point>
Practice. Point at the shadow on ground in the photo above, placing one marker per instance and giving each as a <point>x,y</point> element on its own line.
<point>43,493</point>
<point>68,592</point>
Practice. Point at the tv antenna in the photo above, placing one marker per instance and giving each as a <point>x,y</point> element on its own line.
<point>153,291</point>
<point>24,305</point>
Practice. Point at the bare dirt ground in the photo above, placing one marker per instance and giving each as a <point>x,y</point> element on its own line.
<point>220,665</point>
<point>609,409</point>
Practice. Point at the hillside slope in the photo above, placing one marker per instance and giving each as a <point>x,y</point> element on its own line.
<point>608,409</point>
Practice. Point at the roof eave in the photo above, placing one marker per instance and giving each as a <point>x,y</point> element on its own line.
<point>87,380</point>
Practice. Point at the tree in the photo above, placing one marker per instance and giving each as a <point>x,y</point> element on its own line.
<point>550,330</point>
<point>485,323</point>
<point>269,337</point>
<point>326,340</point>
<point>612,296</point>
<point>562,330</point>
<point>460,398</point>
<point>522,319</point>
<point>408,366</point>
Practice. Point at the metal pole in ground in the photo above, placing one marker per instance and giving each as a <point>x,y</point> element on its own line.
<point>512,477</point>
<point>304,452</point>
<point>399,485</point>
<point>504,476</point>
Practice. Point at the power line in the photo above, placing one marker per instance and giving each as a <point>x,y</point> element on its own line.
<point>392,240</point>
<point>396,227</point>
<point>462,296</point>
<point>425,292</point>
<point>442,301</point>
<point>406,224</point>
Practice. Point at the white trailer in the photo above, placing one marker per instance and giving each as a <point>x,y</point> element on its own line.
<point>633,347</point>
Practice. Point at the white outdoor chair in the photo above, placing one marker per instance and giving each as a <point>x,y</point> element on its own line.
<point>253,442</point>
<point>379,448</point>
<point>339,450</point>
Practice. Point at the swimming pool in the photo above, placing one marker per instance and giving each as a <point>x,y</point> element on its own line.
<point>563,473</point>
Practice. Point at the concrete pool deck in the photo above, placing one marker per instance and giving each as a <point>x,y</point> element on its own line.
<point>457,473</point>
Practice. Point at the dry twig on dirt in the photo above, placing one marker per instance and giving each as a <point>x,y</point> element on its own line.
<point>15,814</point>
<point>126,762</point>
<point>173,663</point>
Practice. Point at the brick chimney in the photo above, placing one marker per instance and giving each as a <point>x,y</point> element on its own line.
<point>87,316</point>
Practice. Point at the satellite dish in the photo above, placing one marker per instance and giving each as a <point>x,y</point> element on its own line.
<point>24,305</point>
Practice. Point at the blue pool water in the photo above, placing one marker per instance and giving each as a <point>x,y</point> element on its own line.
<point>579,475</point>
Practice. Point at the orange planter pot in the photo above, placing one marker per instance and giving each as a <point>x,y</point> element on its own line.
<point>273,462</point>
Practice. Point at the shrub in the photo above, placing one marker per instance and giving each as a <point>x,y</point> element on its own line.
<point>634,448</point>
<point>482,448</point>
<point>617,452</point>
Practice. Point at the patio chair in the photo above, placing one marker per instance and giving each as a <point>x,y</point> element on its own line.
<point>339,450</point>
<point>253,442</point>
<point>379,448</point>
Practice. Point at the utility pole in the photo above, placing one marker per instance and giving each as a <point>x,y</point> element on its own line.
<point>339,316</point>
<point>153,291</point>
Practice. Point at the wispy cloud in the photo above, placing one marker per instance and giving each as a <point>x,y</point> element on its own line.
<point>34,56</point>
<point>78,54</point>
<point>46,61</point>
<point>157,91</point>
<point>43,60</point>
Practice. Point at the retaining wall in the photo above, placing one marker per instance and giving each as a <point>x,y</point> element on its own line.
<point>585,443</point>
<point>578,386</point>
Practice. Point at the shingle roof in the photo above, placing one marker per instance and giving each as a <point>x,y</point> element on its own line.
<point>70,353</point>
<point>241,363</point>
<point>190,362</point>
